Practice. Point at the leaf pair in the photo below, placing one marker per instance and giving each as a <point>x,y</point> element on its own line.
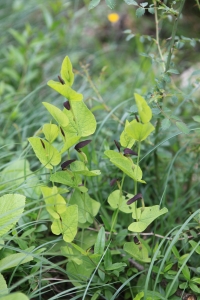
<point>125,164</point>
<point>67,78</point>
<point>65,218</point>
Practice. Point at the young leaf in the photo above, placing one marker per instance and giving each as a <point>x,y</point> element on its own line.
<point>165,124</point>
<point>116,200</point>
<point>11,209</point>
<point>50,131</point>
<point>80,168</point>
<point>93,3</point>
<point>65,90</point>
<point>125,139</point>
<point>146,216</point>
<point>55,203</point>
<point>140,12</point>
<point>66,71</point>
<point>144,110</point>
<point>57,114</point>
<point>48,155</point>
<point>183,127</point>
<point>139,131</point>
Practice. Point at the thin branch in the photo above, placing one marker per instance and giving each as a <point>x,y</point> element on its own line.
<point>173,36</point>
<point>146,234</point>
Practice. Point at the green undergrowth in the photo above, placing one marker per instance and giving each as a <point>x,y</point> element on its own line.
<point>99,182</point>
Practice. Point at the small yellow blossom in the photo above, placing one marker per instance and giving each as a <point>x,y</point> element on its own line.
<point>113,18</point>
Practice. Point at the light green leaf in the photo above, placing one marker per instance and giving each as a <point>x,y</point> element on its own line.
<point>80,168</point>
<point>13,260</point>
<point>3,286</point>
<point>55,203</point>
<point>183,127</point>
<point>125,140</point>
<point>69,140</point>
<point>196,119</point>
<point>15,296</point>
<point>57,114</point>
<point>18,175</point>
<point>69,223</point>
<point>81,120</point>
<point>11,209</point>
<point>66,71</point>
<point>118,201</point>
<point>50,131</point>
<point>194,287</point>
<point>45,152</point>
<point>125,164</point>
<point>64,177</point>
<point>93,3</point>
<point>139,252</point>
<point>144,110</point>
<point>65,90</point>
<point>139,131</point>
<point>146,216</point>
<point>165,124</point>
<point>87,207</point>
<point>194,245</point>
<point>186,272</point>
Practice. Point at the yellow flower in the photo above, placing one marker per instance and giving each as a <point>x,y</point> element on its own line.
<point>113,18</point>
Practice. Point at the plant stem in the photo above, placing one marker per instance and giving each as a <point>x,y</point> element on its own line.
<point>135,192</point>
<point>173,36</point>
<point>157,35</point>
